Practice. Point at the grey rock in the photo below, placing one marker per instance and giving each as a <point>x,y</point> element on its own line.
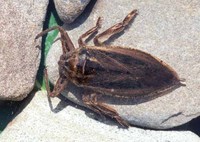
<point>69,10</point>
<point>168,31</point>
<point>67,123</point>
<point>19,58</point>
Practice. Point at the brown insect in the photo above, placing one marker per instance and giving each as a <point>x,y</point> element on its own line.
<point>110,70</point>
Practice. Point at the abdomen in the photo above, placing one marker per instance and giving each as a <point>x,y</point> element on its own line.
<point>123,72</point>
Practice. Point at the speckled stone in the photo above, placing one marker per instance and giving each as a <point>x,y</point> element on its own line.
<point>67,123</point>
<point>69,10</point>
<point>168,31</point>
<point>20,22</point>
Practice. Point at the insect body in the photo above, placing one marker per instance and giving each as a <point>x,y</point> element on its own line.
<point>111,70</point>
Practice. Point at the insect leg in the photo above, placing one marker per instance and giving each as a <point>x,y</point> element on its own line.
<point>119,27</point>
<point>103,109</point>
<point>58,88</point>
<point>67,44</point>
<point>89,32</point>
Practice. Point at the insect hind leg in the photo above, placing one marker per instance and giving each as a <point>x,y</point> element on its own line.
<point>117,28</point>
<point>103,109</point>
<point>93,30</point>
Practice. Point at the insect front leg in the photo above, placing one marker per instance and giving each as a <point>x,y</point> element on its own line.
<point>58,88</point>
<point>119,27</point>
<point>67,44</point>
<point>81,42</point>
<point>92,102</point>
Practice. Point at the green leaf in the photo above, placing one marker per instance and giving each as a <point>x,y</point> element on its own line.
<point>47,42</point>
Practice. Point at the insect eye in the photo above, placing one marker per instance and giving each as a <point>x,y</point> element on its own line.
<point>66,63</point>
